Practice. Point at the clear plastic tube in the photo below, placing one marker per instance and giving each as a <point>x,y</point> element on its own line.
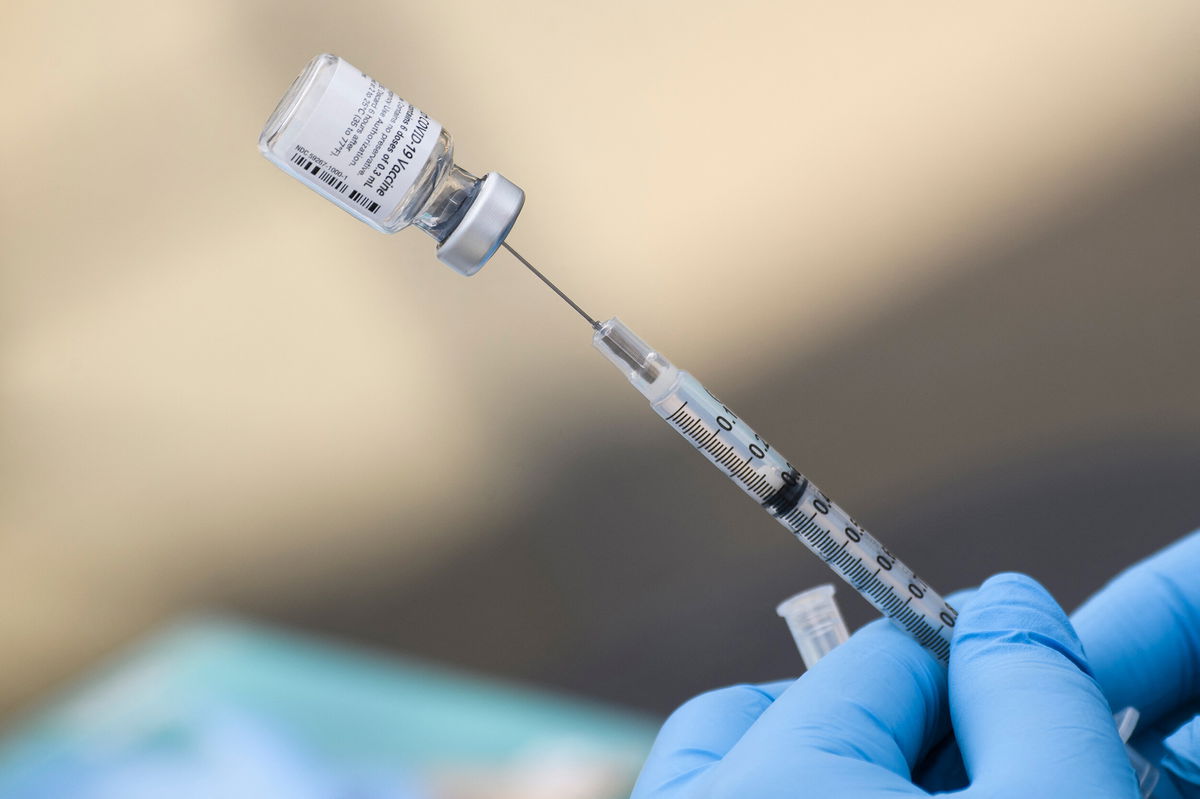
<point>815,622</point>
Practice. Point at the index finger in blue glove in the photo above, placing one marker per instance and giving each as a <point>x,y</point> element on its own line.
<point>1029,718</point>
<point>1142,631</point>
<point>858,720</point>
<point>879,698</point>
<point>701,731</point>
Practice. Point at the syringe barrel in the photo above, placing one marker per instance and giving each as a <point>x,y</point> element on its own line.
<point>780,489</point>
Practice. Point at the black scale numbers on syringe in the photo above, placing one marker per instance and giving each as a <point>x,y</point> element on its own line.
<point>777,486</point>
<point>805,513</point>
<point>724,455</point>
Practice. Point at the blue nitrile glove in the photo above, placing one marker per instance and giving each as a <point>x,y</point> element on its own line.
<point>1030,720</point>
<point>1142,637</point>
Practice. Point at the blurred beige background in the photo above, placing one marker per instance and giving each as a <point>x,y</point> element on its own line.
<point>218,391</point>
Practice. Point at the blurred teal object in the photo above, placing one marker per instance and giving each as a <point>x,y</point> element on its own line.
<point>223,708</point>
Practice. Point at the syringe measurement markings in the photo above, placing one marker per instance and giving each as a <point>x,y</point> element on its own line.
<point>781,490</point>
<point>919,625</point>
<point>851,567</point>
<point>690,426</point>
<point>822,540</point>
<point>678,411</point>
<point>804,526</point>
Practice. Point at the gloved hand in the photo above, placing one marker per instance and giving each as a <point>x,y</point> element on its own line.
<point>1142,637</point>
<point>1029,718</point>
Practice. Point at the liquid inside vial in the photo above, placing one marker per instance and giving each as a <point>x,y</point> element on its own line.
<point>386,162</point>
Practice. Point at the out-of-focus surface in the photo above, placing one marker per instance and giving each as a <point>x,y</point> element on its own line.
<point>945,257</point>
<point>218,708</point>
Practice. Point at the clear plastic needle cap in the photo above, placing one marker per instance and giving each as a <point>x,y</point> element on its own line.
<point>815,622</point>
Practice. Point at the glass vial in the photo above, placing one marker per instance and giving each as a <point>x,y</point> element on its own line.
<point>386,162</point>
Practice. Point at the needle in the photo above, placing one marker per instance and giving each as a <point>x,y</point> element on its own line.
<point>556,289</point>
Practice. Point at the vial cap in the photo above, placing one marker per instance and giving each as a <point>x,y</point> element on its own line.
<point>483,227</point>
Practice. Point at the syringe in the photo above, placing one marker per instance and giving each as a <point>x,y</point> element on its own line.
<point>830,532</point>
<point>775,484</point>
<point>471,217</point>
<point>759,470</point>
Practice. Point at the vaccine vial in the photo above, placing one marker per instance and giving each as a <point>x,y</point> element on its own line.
<point>386,162</point>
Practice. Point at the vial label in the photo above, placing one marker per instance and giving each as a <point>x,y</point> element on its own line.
<point>362,145</point>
